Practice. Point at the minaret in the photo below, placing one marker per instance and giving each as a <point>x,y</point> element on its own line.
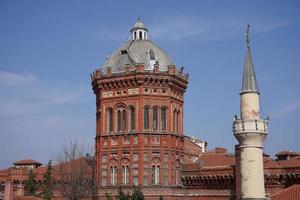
<point>250,131</point>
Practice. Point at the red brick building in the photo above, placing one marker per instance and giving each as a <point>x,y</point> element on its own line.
<point>140,137</point>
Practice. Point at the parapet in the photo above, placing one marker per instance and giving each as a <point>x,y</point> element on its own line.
<point>138,69</point>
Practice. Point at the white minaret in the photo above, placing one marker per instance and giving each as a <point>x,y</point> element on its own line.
<point>250,131</point>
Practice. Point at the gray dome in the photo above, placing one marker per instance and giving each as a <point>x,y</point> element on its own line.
<point>137,51</point>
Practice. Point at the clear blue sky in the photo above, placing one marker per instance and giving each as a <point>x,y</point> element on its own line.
<point>49,48</point>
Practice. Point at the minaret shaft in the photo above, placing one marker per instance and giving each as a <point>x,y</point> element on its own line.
<point>249,106</point>
<point>250,131</point>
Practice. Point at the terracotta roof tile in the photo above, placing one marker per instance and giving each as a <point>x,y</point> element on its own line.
<point>290,193</point>
<point>295,162</point>
<point>287,153</point>
<point>217,159</point>
<point>27,162</point>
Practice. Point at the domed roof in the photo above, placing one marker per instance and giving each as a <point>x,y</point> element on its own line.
<point>139,50</point>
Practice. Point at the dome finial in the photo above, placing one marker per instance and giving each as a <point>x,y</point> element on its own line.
<point>139,30</point>
<point>248,36</point>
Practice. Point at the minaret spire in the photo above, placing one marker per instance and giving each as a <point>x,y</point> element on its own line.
<point>249,79</point>
<point>250,130</point>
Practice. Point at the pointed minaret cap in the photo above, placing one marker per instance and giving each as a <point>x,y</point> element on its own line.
<point>249,79</point>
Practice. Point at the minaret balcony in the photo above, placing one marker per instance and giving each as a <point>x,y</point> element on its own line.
<point>250,126</point>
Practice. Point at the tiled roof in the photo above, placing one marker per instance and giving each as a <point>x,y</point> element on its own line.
<point>293,162</point>
<point>287,153</point>
<point>290,193</point>
<point>217,159</point>
<point>27,162</point>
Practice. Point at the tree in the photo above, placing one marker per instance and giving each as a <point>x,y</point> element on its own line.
<point>48,183</point>
<point>108,196</point>
<point>122,196</point>
<point>137,194</point>
<point>31,184</point>
<point>92,162</point>
<point>74,173</point>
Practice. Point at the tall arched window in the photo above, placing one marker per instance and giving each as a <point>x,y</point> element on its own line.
<point>146,118</point>
<point>132,118</point>
<point>141,35</point>
<point>134,34</point>
<point>178,122</point>
<point>163,119</point>
<point>109,120</point>
<point>119,120</point>
<point>175,120</point>
<point>113,175</point>
<point>155,174</point>
<point>123,120</point>
<point>155,118</point>
<point>125,175</point>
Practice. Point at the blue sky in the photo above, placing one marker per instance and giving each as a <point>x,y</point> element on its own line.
<point>49,48</point>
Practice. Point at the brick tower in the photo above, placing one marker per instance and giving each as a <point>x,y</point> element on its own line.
<point>250,131</point>
<point>139,117</point>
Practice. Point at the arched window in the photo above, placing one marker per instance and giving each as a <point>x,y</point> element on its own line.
<point>175,120</point>
<point>155,174</point>
<point>163,119</point>
<point>132,118</point>
<point>151,54</point>
<point>134,34</point>
<point>109,120</point>
<point>125,175</point>
<point>154,123</point>
<point>146,118</point>
<point>123,120</point>
<point>119,122</point>
<point>178,122</point>
<point>141,35</point>
<point>98,123</point>
<point>113,175</point>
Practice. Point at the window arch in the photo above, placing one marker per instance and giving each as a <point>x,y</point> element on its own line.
<point>121,119</point>
<point>146,118</point>
<point>175,120</point>
<point>113,172</point>
<point>132,118</point>
<point>134,34</point>
<point>140,35</point>
<point>155,171</point>
<point>178,126</point>
<point>124,120</point>
<point>155,118</point>
<point>163,118</point>
<point>109,120</point>
<point>125,172</point>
